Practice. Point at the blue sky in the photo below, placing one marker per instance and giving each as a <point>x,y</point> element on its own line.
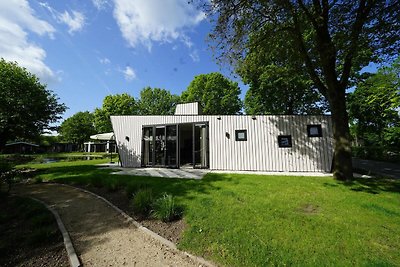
<point>85,50</point>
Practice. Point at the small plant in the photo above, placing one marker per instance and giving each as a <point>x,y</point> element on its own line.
<point>142,202</point>
<point>131,189</point>
<point>166,210</point>
<point>37,180</point>
<point>113,185</point>
<point>96,182</point>
<point>7,174</point>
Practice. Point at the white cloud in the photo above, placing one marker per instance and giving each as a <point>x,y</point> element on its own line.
<point>195,55</point>
<point>104,61</point>
<point>148,21</point>
<point>75,22</point>
<point>100,4</point>
<point>129,73</point>
<point>17,19</point>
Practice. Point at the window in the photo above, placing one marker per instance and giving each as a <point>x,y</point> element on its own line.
<point>284,140</point>
<point>241,135</point>
<point>314,130</point>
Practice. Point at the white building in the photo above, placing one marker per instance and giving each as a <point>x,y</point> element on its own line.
<point>225,142</point>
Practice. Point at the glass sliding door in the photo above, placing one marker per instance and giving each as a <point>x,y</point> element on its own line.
<point>147,146</point>
<point>200,145</point>
<point>171,154</point>
<point>160,146</point>
<point>170,146</point>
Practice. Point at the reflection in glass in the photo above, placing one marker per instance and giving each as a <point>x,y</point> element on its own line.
<point>148,146</point>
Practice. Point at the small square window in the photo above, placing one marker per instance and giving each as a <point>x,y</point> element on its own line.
<point>241,135</point>
<point>284,140</point>
<point>314,130</point>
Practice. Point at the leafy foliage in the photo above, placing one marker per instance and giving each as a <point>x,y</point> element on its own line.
<point>119,104</point>
<point>27,108</point>
<point>279,84</point>
<point>156,101</point>
<point>334,40</point>
<point>216,94</point>
<point>78,128</point>
<point>374,109</point>
<point>165,209</point>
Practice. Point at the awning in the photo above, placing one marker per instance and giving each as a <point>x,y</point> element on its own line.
<point>103,136</point>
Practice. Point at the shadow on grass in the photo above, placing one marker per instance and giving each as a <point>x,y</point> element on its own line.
<point>374,185</point>
<point>92,175</point>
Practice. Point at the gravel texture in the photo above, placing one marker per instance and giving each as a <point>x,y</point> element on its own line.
<point>101,236</point>
<point>169,230</point>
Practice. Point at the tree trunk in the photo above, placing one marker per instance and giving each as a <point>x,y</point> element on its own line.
<point>342,162</point>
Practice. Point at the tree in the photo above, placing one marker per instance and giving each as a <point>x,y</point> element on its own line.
<point>119,104</point>
<point>374,109</point>
<point>216,94</point>
<point>335,39</point>
<point>278,85</point>
<point>27,108</point>
<point>78,128</point>
<point>156,101</point>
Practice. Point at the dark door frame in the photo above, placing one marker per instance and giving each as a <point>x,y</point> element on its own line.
<point>178,154</point>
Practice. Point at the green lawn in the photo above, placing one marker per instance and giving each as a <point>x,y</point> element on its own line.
<point>26,229</point>
<point>252,220</point>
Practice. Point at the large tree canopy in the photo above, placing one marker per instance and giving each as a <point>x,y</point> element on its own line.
<point>216,94</point>
<point>78,128</point>
<point>27,108</point>
<point>335,39</point>
<point>156,101</point>
<point>374,108</point>
<point>279,84</point>
<point>119,104</point>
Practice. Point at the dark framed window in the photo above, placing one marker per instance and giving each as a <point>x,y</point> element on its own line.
<point>241,135</point>
<point>314,130</point>
<point>284,140</point>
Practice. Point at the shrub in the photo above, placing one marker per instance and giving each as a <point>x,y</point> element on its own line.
<point>7,174</point>
<point>131,189</point>
<point>113,185</point>
<point>37,180</point>
<point>142,202</point>
<point>166,210</point>
<point>96,182</point>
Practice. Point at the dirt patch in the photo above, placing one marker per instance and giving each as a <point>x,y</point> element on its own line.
<point>310,209</point>
<point>29,235</point>
<point>171,230</point>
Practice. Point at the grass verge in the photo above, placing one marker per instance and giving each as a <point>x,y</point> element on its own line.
<point>29,234</point>
<point>254,220</point>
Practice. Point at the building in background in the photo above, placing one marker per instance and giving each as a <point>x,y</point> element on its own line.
<point>225,142</point>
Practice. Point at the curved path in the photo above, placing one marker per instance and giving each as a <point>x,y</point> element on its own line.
<point>101,235</point>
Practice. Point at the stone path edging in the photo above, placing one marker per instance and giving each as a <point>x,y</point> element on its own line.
<point>72,256</point>
<point>129,219</point>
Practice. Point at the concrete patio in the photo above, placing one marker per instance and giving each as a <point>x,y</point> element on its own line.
<point>189,173</point>
<point>163,172</point>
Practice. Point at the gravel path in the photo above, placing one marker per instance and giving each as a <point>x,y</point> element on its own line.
<point>101,236</point>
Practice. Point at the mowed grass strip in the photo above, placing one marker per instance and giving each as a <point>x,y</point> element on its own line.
<point>254,220</point>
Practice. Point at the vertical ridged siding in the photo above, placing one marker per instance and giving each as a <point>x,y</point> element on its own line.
<point>259,152</point>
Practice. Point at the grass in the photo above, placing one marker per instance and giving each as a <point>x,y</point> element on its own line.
<point>252,220</point>
<point>165,209</point>
<point>24,225</point>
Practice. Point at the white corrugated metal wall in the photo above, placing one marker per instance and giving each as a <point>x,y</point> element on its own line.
<point>260,151</point>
